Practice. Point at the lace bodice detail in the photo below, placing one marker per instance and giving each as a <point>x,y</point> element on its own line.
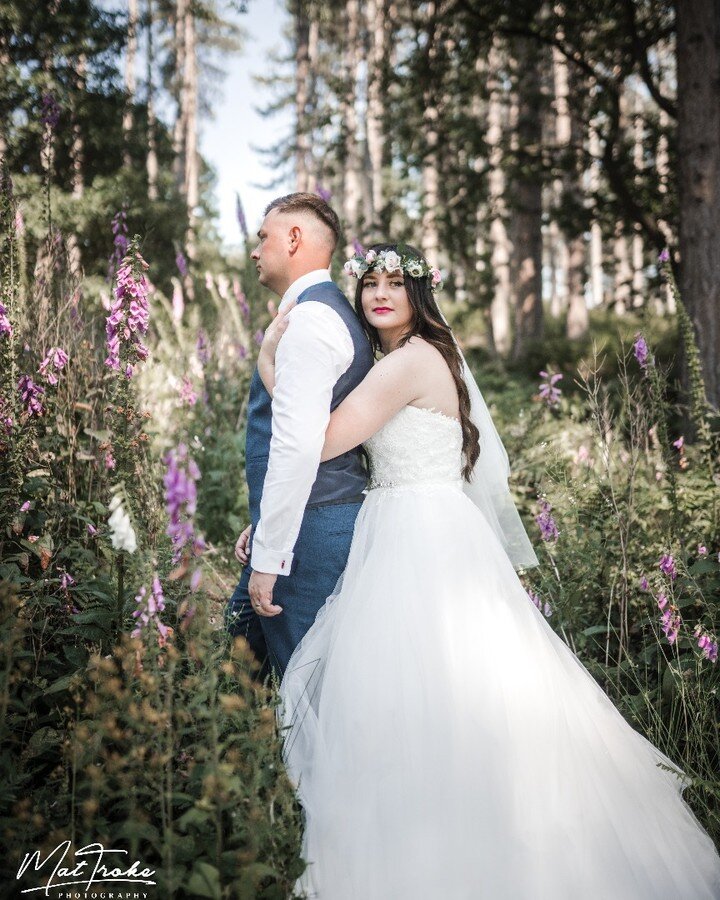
<point>416,446</point>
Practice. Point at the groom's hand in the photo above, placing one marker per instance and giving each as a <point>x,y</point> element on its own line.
<point>261,594</point>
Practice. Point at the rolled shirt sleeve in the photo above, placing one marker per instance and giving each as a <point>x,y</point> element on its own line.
<point>314,352</point>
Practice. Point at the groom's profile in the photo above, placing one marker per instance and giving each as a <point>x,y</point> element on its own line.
<point>302,511</point>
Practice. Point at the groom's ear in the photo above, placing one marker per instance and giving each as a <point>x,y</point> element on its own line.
<point>294,238</point>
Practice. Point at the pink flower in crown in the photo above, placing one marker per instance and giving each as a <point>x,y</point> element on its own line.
<point>371,257</point>
<point>435,276</point>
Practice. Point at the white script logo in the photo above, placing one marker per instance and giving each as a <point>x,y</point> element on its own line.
<point>101,874</point>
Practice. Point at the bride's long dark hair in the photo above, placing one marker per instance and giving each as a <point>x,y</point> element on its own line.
<point>427,323</point>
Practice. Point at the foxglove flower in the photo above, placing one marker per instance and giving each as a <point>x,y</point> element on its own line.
<point>55,361</point>
<point>201,346</point>
<point>548,392</point>
<point>129,313</point>
<point>49,111</point>
<point>664,255</point>
<point>149,606</point>
<point>180,480</point>
<point>122,534</point>
<point>187,393</point>
<point>241,299</point>
<point>679,443</point>
<point>670,623</point>
<point>181,263</point>
<point>640,349</point>
<point>667,566</point>
<point>707,644</point>
<point>31,394</point>
<point>120,242</point>
<point>544,608</point>
<point>259,335</point>
<point>323,193</point>
<point>66,580</point>
<point>702,550</point>
<point>546,522</point>
<point>5,324</point>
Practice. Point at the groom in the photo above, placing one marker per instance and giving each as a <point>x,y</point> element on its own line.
<point>302,511</point>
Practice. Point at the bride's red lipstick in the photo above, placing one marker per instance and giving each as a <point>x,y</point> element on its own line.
<point>381,309</point>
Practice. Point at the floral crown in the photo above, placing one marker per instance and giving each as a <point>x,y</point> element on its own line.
<point>391,261</point>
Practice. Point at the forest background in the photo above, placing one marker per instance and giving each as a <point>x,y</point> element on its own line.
<point>560,163</point>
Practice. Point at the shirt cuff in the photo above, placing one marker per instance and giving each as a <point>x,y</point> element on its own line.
<point>272,562</point>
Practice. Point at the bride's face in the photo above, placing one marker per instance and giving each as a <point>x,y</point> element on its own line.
<point>385,301</point>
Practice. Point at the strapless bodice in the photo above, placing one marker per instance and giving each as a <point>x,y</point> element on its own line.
<point>416,446</point>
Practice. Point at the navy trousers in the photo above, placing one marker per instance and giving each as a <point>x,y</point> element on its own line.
<point>320,556</point>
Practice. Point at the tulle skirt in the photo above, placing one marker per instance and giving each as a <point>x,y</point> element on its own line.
<point>446,744</point>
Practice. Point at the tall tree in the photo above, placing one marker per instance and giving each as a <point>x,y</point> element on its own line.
<point>501,305</point>
<point>130,78</point>
<point>377,61</point>
<point>352,158</point>
<point>698,74</point>
<point>151,163</point>
<point>527,191</point>
<point>303,87</point>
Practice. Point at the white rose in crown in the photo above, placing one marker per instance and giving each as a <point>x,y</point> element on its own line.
<point>370,257</point>
<point>392,261</point>
<point>414,268</point>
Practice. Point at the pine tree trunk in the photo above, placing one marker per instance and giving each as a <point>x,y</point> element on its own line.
<point>430,179</point>
<point>151,160</point>
<point>352,189</point>
<point>377,29</point>
<point>569,136</point>
<point>179,127</point>
<point>698,74</point>
<point>190,116</point>
<point>77,145</point>
<point>500,307</point>
<point>527,190</point>
<point>637,252</point>
<point>77,161</point>
<point>623,272</point>
<point>596,242</point>
<point>130,81</point>
<point>302,95</point>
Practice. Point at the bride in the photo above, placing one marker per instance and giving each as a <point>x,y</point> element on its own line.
<point>445,743</point>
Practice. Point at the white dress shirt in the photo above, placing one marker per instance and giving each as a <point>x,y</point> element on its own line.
<point>314,352</point>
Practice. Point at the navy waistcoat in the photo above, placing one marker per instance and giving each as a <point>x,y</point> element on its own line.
<point>340,479</point>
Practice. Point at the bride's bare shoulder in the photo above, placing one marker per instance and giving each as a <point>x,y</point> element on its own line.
<point>422,352</point>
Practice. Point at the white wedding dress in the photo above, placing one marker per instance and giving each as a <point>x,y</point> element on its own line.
<point>446,744</point>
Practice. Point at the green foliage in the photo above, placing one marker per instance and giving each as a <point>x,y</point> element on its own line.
<point>167,751</point>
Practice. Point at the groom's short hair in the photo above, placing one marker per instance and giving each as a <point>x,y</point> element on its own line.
<point>309,203</point>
